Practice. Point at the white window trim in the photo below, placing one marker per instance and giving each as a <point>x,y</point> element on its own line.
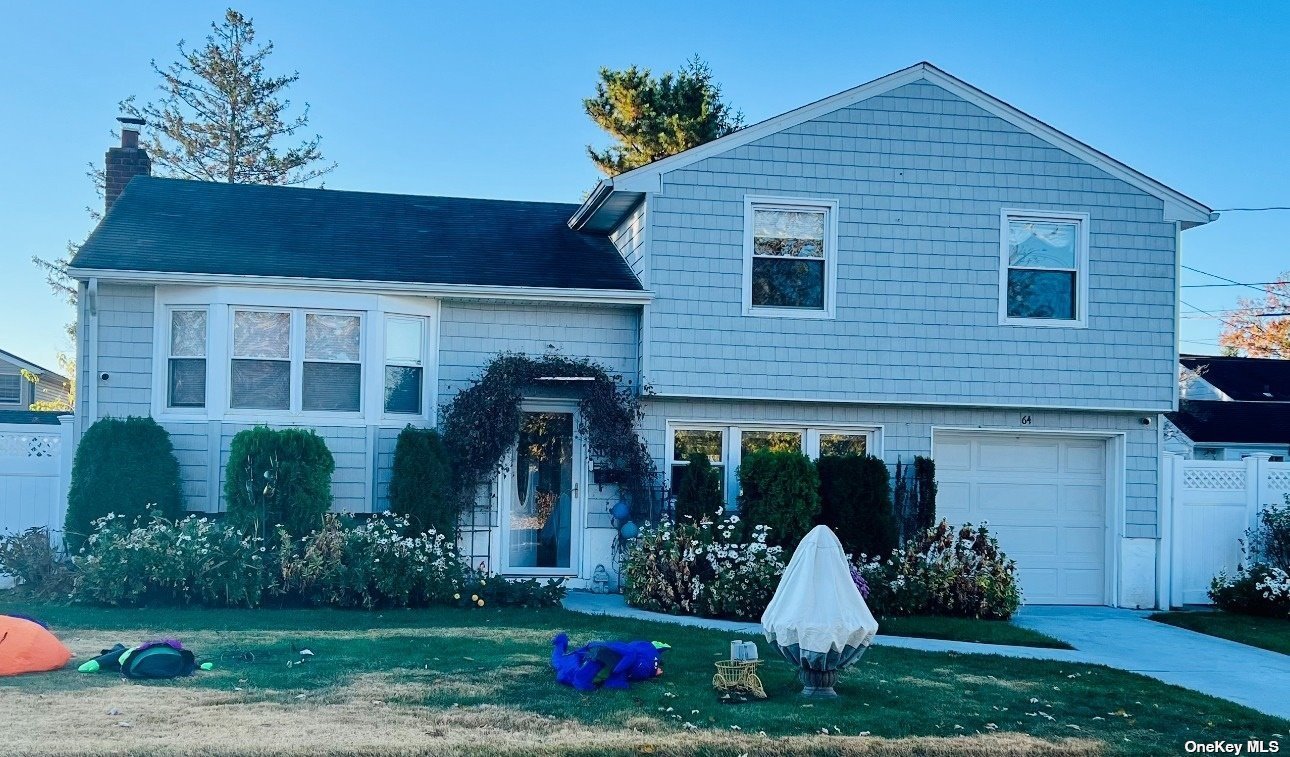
<point>732,442</point>
<point>830,207</point>
<point>1081,271</point>
<point>168,324</point>
<point>221,300</point>
<point>16,400</point>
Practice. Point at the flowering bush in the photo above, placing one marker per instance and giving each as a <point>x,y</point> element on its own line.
<point>1262,588</point>
<point>1259,590</point>
<point>186,561</point>
<point>370,564</point>
<point>946,571</point>
<point>30,558</point>
<point>702,567</point>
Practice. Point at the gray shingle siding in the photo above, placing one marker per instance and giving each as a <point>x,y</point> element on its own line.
<point>629,239</point>
<point>921,176</point>
<point>125,315</point>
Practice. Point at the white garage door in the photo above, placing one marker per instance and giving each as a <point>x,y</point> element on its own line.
<point>1043,496</point>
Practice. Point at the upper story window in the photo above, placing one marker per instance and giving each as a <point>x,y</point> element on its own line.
<point>789,257</point>
<point>10,388</point>
<point>186,361</point>
<point>1044,268</point>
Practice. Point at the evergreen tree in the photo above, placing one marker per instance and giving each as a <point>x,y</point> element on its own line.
<point>698,489</point>
<point>651,118</point>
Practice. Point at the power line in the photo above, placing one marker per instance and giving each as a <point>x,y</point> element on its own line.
<point>1254,284</point>
<point>1222,278</point>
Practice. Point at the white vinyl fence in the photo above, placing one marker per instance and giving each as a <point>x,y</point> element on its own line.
<point>1213,503</point>
<point>35,467</point>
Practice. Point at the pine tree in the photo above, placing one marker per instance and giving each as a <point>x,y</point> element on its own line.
<point>651,118</point>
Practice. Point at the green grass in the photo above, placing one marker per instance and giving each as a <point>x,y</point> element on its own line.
<point>450,663</point>
<point>1267,633</point>
<point>965,629</point>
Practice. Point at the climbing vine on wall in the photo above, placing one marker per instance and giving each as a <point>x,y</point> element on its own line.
<point>482,423</point>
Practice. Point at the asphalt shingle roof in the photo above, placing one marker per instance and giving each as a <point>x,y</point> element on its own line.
<point>1244,379</point>
<point>1222,421</point>
<point>179,226</point>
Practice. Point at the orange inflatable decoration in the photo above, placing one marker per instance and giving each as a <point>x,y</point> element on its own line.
<point>26,647</point>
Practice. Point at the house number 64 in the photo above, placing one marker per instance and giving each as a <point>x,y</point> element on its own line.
<point>1026,420</point>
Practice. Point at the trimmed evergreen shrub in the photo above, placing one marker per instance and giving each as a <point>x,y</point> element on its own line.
<point>780,490</point>
<point>421,484</point>
<point>278,477</point>
<point>855,501</point>
<point>122,466</point>
<point>698,491</point>
<point>915,497</point>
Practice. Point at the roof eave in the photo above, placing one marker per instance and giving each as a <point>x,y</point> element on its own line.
<point>445,291</point>
<point>603,189</point>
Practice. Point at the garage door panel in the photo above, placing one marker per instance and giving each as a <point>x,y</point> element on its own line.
<point>1084,501</point>
<point>1086,458</point>
<point>1012,503</point>
<point>1016,456</point>
<point>1043,497</point>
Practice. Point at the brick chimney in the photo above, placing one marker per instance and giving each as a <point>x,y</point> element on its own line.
<point>124,162</point>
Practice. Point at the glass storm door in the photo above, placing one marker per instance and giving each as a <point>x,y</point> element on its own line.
<point>540,500</point>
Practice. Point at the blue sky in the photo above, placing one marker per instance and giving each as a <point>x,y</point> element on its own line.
<point>483,99</point>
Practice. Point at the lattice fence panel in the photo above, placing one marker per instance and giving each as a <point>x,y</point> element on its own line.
<point>1214,479</point>
<point>19,445</point>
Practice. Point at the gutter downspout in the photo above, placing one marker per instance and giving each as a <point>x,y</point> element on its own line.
<point>90,311</point>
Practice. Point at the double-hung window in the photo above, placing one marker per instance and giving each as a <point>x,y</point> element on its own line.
<point>186,361</point>
<point>260,370</point>
<point>404,364</point>
<point>790,251</point>
<point>10,388</point>
<point>1044,268</point>
<point>332,375</point>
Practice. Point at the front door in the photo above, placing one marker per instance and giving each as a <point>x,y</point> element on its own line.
<point>541,494</point>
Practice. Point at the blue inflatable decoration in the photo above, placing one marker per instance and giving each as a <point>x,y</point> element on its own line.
<point>628,530</point>
<point>620,510</point>
<point>612,664</point>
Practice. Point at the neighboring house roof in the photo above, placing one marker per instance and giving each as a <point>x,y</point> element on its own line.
<point>193,227</point>
<point>31,417</point>
<point>1207,421</point>
<point>9,357</point>
<point>1244,379</point>
<point>605,206</point>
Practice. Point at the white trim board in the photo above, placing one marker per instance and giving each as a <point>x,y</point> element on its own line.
<point>899,402</point>
<point>1177,206</point>
<point>453,291</point>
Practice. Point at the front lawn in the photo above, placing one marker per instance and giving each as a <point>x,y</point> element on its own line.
<point>1268,633</point>
<point>966,629</point>
<point>478,682</point>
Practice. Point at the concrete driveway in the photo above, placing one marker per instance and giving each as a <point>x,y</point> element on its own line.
<point>1125,639</point>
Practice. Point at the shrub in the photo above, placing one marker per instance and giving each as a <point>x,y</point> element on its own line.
<point>194,560</point>
<point>915,496</point>
<point>1259,590</point>
<point>780,490</point>
<point>31,559</point>
<point>698,490</point>
<point>278,477</point>
<point>855,501</point>
<point>372,564</point>
<point>421,484</point>
<point>1270,539</point>
<point>702,568</point>
<point>122,466</point>
<point>945,571</point>
<point>484,590</point>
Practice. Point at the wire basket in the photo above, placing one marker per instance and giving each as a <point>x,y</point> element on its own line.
<point>739,678</point>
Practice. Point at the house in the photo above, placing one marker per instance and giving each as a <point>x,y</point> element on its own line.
<point>909,267</point>
<point>17,393</point>
<point>1231,407</point>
